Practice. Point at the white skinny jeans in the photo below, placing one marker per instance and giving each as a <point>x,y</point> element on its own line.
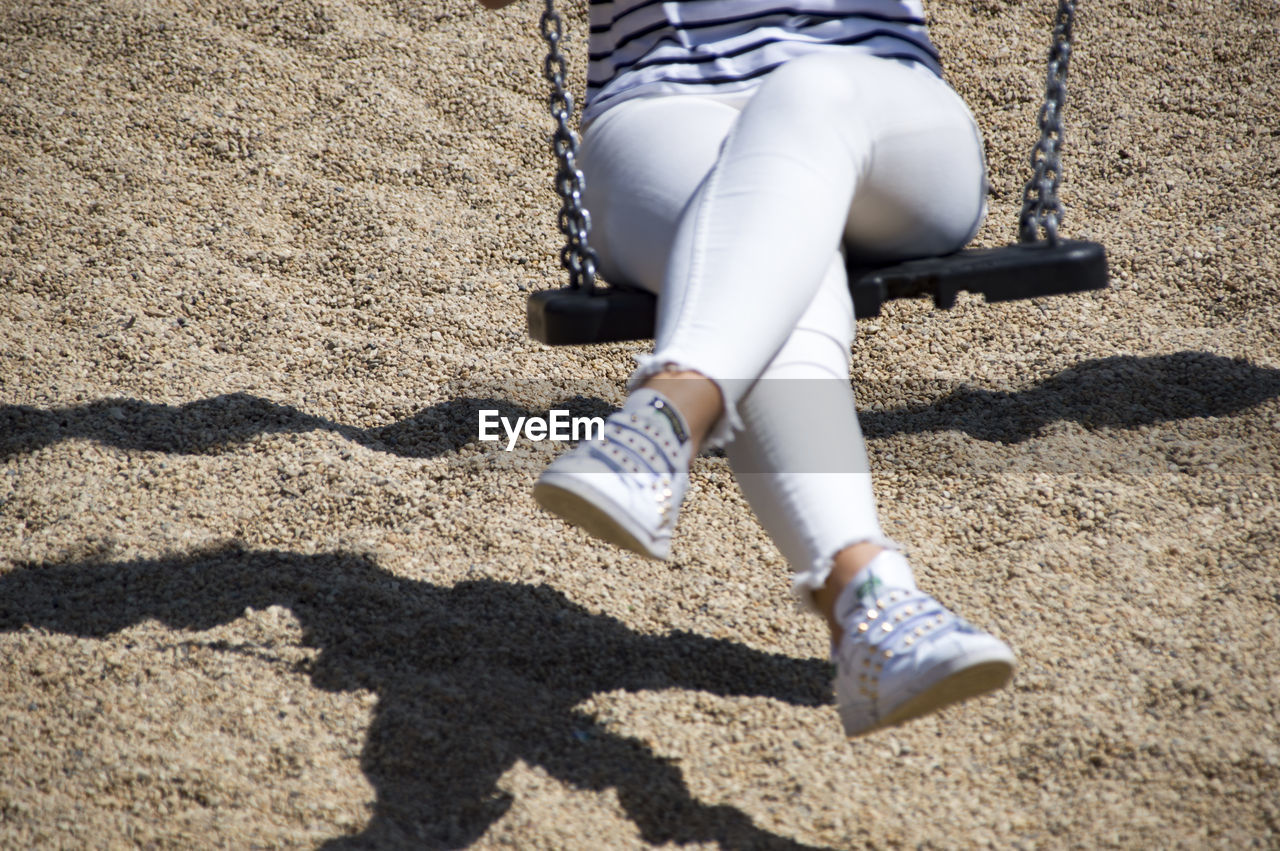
<point>735,209</point>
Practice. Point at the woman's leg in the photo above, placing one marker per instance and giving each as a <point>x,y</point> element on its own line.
<point>800,458</point>
<point>802,465</point>
<point>643,161</point>
<point>920,191</point>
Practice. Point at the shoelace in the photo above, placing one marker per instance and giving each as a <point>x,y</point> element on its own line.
<point>892,622</point>
<point>637,447</point>
<point>644,444</point>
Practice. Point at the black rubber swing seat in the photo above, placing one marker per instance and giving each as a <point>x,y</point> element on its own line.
<point>570,317</point>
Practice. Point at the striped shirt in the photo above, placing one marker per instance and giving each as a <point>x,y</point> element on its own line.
<point>642,47</point>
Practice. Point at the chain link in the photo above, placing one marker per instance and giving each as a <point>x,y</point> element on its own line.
<point>1041,206</point>
<point>577,256</point>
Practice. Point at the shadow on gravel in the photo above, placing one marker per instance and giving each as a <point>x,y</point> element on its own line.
<point>1115,392</point>
<point>1122,391</point>
<point>219,423</point>
<point>469,679</point>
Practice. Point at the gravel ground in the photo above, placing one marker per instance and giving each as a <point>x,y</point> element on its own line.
<point>261,265</point>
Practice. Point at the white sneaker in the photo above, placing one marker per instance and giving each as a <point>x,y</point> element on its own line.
<point>627,488</point>
<point>904,655</point>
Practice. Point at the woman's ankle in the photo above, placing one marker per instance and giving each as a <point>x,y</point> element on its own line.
<point>694,396</point>
<point>847,564</point>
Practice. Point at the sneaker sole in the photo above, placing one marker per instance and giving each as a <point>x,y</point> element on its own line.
<point>578,504</point>
<point>970,681</point>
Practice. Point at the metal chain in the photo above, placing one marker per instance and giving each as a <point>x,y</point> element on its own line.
<point>577,256</point>
<point>1041,206</point>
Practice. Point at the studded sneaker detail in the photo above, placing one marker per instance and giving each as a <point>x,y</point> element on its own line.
<point>627,487</point>
<point>904,655</point>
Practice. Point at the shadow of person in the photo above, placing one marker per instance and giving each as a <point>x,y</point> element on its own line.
<point>221,422</point>
<point>469,679</point>
<point>1122,391</point>
<point>1115,392</point>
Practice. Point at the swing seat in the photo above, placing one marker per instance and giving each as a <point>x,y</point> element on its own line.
<point>573,316</point>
